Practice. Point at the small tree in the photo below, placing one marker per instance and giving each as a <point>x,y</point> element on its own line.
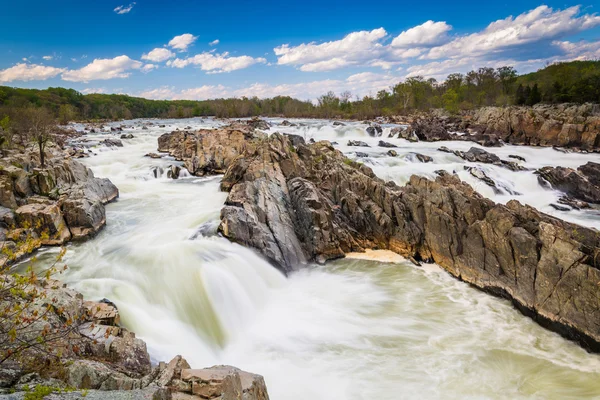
<point>38,123</point>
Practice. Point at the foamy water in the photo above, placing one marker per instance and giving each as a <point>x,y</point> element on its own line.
<point>354,329</point>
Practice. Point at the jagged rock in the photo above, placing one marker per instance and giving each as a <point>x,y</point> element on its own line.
<point>127,136</point>
<point>475,154</point>
<point>482,176</point>
<point>287,123</point>
<point>225,144</point>
<point>574,183</point>
<point>392,153</point>
<point>337,123</point>
<point>112,142</point>
<point>374,129</point>
<point>46,220</point>
<point>295,139</point>
<point>573,203</point>
<point>559,208</point>
<point>360,154</point>
<point>386,144</point>
<point>357,143</point>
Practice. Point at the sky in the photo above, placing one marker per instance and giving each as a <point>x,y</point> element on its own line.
<point>186,49</point>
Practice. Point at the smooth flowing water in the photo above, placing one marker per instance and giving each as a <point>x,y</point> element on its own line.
<point>353,329</point>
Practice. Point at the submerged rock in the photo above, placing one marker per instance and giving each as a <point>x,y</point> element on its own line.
<point>386,144</point>
<point>358,143</point>
<point>374,129</point>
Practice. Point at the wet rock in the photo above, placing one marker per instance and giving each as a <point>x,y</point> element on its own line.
<point>360,154</point>
<point>574,203</point>
<point>423,158</point>
<point>256,123</point>
<point>386,144</point>
<point>574,183</point>
<point>357,143</point>
<point>287,123</point>
<point>296,140</point>
<point>482,176</point>
<point>559,208</point>
<point>392,153</point>
<point>127,136</point>
<point>154,155</point>
<point>374,129</point>
<point>337,123</point>
<point>173,171</point>
<point>516,157</point>
<point>112,142</point>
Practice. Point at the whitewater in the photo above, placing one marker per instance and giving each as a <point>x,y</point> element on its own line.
<point>357,328</point>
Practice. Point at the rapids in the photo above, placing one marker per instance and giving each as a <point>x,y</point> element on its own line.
<point>353,329</point>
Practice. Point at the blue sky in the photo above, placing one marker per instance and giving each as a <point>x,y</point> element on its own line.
<point>196,50</point>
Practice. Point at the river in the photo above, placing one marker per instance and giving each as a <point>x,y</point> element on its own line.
<point>353,329</point>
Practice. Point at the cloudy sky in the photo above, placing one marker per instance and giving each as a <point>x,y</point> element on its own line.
<point>186,49</point>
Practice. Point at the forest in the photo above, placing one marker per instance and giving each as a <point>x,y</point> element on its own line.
<point>576,81</point>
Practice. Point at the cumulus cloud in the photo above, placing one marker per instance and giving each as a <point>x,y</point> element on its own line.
<point>214,42</point>
<point>216,63</point>
<point>182,42</point>
<point>427,34</point>
<point>148,67</point>
<point>579,51</point>
<point>99,69</point>
<point>542,23</point>
<point>354,49</point>
<point>158,55</point>
<point>29,72</point>
<point>124,9</point>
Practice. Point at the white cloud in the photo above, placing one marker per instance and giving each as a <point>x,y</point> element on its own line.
<point>124,9</point>
<point>182,42</point>
<point>148,67</point>
<point>579,51</point>
<point>216,63</point>
<point>427,34</point>
<point>158,55</point>
<point>355,48</point>
<point>29,72</point>
<point>48,58</point>
<point>542,23</point>
<point>214,42</point>
<point>93,90</point>
<point>107,68</point>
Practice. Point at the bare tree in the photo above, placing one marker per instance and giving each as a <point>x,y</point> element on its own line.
<point>38,123</point>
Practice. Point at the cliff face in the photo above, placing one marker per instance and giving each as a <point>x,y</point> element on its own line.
<point>51,205</point>
<point>297,203</point>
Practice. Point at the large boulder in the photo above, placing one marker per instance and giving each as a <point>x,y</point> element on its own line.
<point>581,184</point>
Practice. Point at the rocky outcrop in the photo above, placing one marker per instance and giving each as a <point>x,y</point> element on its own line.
<point>475,154</point>
<point>51,205</point>
<point>575,126</point>
<point>192,147</point>
<point>107,361</point>
<point>583,184</point>
<point>302,203</point>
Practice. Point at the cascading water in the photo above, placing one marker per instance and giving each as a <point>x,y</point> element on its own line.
<point>354,329</point>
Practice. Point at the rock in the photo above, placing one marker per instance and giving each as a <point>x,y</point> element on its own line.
<point>127,136</point>
<point>173,171</point>
<point>286,123</point>
<point>225,144</point>
<point>154,155</point>
<point>573,203</point>
<point>361,154</point>
<point>404,133</point>
<point>374,129</point>
<point>482,176</point>
<point>517,157</point>
<point>573,183</point>
<point>559,208</point>
<point>481,156</point>
<point>46,221</point>
<point>386,144</point>
<point>357,143</point>
<point>337,123</point>
<point>226,383</point>
<point>112,143</point>
<point>256,123</point>
<point>392,153</point>
<point>296,140</point>
<point>423,158</point>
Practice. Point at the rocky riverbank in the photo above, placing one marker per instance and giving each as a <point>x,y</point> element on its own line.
<point>297,202</point>
<point>48,206</point>
<point>100,359</point>
<point>573,126</point>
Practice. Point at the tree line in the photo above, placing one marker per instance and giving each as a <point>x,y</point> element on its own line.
<point>577,81</point>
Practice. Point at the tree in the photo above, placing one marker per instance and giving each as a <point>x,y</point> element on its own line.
<point>534,96</point>
<point>38,123</point>
<point>450,99</point>
<point>507,76</point>
<point>66,113</point>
